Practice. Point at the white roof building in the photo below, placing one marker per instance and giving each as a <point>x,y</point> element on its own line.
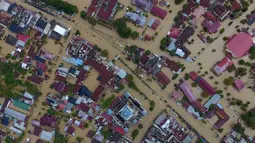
<point>15,114</point>
<point>47,135</point>
<point>60,30</point>
<point>4,5</point>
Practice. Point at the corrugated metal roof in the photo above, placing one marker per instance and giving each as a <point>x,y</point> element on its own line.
<point>21,105</point>
<point>15,114</point>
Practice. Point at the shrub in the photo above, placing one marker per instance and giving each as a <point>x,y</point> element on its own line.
<point>186,76</point>
<point>204,94</point>
<point>135,134</point>
<point>228,81</point>
<point>140,126</point>
<point>241,62</point>
<point>134,35</point>
<point>222,30</point>
<point>104,53</point>
<point>225,38</point>
<point>147,52</point>
<point>175,77</point>
<point>77,32</point>
<point>83,14</point>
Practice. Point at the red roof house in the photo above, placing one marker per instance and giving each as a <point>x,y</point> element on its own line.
<point>48,120</point>
<point>174,32</point>
<point>197,105</point>
<point>70,130</point>
<point>36,79</point>
<point>23,38</point>
<point>157,11</point>
<point>107,9</point>
<point>97,93</point>
<point>202,83</point>
<point>235,5</point>
<point>239,49</point>
<point>212,27</point>
<point>222,117</point>
<point>239,84</point>
<point>221,66</point>
<point>190,7</point>
<point>209,16</point>
<point>187,91</point>
<point>162,78</point>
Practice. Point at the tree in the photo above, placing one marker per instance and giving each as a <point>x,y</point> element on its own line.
<point>238,128</point>
<point>51,111</point>
<point>60,138</point>
<point>222,30</point>
<point>228,81</point>
<point>83,14</point>
<point>204,94</point>
<point>92,21</point>
<point>241,71</point>
<point>152,103</point>
<point>77,32</point>
<point>147,52</point>
<point>129,77</point>
<point>172,53</point>
<point>175,76</point>
<point>249,118</point>
<point>241,62</point>
<point>186,77</point>
<point>134,35</point>
<point>135,134</point>
<point>104,53</point>
<point>62,5</point>
<point>225,38</point>
<point>140,126</point>
<point>178,1</point>
<point>194,84</point>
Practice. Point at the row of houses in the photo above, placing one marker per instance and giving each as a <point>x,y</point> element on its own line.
<point>15,112</point>
<point>124,112</point>
<point>166,128</point>
<point>210,108</point>
<point>20,20</point>
<point>152,63</point>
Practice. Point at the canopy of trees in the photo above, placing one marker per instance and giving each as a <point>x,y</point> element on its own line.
<point>121,27</point>
<point>228,81</point>
<point>83,14</point>
<point>135,134</point>
<point>104,53</point>
<point>135,35</point>
<point>252,53</point>
<point>241,71</point>
<point>62,5</point>
<point>59,138</point>
<point>178,1</point>
<point>164,43</point>
<point>249,118</point>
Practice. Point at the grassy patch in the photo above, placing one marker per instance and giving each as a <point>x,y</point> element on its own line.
<point>107,102</point>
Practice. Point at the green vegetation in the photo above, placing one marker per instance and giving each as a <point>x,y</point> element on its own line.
<point>140,126</point>
<point>86,125</point>
<point>120,88</point>
<point>238,128</point>
<point>240,72</point>
<point>60,138</point>
<point>11,87</point>
<point>133,86</point>
<point>175,76</point>
<point>204,94</point>
<point>147,52</point>
<point>222,30</point>
<point>129,77</point>
<point>135,134</point>
<point>105,132</point>
<point>107,102</point>
<point>134,35</point>
<point>194,84</point>
<point>83,14</point>
<point>241,62</point>
<point>186,77</point>
<point>252,53</point>
<point>104,53</point>
<point>62,5</point>
<point>51,111</point>
<point>231,69</point>
<point>122,29</point>
<point>92,21</point>
<point>249,118</point>
<point>164,43</point>
<point>77,32</point>
<point>178,1</point>
<point>152,105</point>
<point>228,81</point>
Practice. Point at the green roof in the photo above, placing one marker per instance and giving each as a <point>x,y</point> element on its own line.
<point>21,105</point>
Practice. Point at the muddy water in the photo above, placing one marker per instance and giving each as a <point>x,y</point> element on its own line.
<point>207,59</point>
